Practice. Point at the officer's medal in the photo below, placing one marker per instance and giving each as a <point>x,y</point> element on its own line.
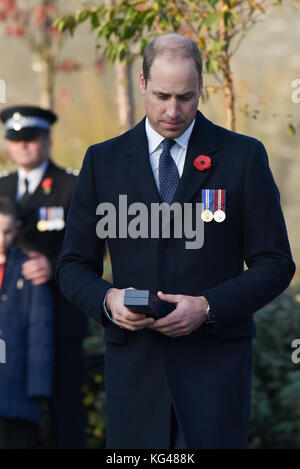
<point>50,219</point>
<point>42,219</point>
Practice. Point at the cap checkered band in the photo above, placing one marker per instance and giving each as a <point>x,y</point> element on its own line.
<point>18,122</point>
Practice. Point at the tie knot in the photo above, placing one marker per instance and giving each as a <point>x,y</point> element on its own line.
<point>167,144</point>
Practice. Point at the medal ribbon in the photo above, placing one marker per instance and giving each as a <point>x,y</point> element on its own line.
<point>42,213</point>
<point>208,196</point>
<point>60,211</point>
<point>219,199</point>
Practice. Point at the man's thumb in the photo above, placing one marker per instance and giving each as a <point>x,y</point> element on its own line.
<point>167,297</point>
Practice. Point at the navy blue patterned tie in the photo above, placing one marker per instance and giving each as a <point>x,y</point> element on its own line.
<point>168,172</point>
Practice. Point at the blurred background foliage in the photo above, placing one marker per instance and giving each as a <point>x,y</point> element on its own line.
<point>85,98</point>
<point>275,415</point>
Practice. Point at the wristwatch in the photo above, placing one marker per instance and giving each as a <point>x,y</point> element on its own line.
<point>210,315</point>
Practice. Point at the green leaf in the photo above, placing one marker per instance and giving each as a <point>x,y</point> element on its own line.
<point>235,16</point>
<point>122,54</point>
<point>291,130</point>
<point>113,53</point>
<point>94,20</point>
<point>218,19</point>
<point>65,23</point>
<point>210,18</point>
<point>228,20</point>
<point>216,46</point>
<point>149,20</point>
<point>126,33</point>
<point>82,16</point>
<point>209,66</point>
<point>144,44</point>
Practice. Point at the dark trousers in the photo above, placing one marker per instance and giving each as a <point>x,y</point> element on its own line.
<point>18,434</point>
<point>177,440</point>
<point>66,403</point>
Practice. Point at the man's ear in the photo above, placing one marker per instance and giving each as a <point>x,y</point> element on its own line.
<point>142,84</point>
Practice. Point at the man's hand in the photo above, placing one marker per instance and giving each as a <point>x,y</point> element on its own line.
<point>122,315</point>
<point>37,269</point>
<point>188,315</point>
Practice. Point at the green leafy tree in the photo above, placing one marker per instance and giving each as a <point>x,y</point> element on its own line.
<point>217,26</point>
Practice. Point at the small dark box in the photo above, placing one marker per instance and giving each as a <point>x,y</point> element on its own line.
<point>145,302</point>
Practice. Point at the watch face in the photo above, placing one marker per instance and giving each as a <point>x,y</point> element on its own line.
<point>209,314</point>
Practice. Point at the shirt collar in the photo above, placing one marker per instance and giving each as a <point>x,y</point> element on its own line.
<point>34,174</point>
<point>155,139</point>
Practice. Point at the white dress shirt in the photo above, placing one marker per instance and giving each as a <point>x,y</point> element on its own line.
<point>155,147</point>
<point>178,150</point>
<point>33,177</point>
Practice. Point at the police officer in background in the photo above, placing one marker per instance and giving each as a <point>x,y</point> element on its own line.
<point>42,192</point>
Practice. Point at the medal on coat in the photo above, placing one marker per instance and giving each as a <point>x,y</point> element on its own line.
<point>50,219</point>
<point>59,218</point>
<point>219,214</point>
<point>208,200</point>
<point>42,219</point>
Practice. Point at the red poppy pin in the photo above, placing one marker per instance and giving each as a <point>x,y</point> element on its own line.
<point>47,185</point>
<point>202,162</point>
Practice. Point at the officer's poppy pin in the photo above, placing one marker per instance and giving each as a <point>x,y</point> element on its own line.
<point>47,185</point>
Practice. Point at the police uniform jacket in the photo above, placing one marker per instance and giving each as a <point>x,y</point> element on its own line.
<point>69,322</point>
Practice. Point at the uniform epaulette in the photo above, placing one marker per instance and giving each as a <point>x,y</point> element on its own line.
<point>4,173</point>
<point>75,172</point>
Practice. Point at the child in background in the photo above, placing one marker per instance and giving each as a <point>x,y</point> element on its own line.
<point>26,322</point>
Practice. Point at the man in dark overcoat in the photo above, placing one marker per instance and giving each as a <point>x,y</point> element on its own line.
<point>183,380</point>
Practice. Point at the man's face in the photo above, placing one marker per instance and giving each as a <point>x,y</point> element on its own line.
<point>29,154</point>
<point>171,95</point>
<point>8,230</point>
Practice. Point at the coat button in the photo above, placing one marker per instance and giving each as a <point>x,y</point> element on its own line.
<point>3,297</point>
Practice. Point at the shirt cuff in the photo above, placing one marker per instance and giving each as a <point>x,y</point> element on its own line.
<point>105,310</point>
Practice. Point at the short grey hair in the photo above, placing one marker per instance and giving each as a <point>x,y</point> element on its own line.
<point>174,45</point>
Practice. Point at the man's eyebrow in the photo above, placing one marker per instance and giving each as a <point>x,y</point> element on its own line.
<point>161,93</point>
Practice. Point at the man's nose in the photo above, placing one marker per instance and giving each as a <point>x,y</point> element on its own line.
<point>173,108</point>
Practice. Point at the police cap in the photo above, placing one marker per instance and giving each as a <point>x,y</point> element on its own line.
<point>26,122</point>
